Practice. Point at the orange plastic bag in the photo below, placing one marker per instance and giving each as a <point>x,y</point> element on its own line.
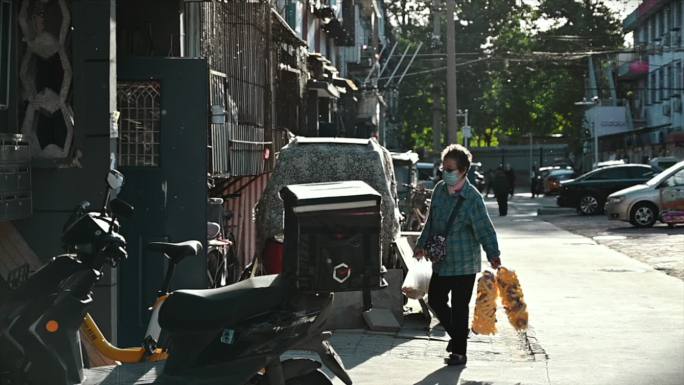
<point>512,298</point>
<point>484,318</point>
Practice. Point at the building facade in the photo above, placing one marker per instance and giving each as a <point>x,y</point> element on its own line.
<point>172,94</point>
<point>634,99</point>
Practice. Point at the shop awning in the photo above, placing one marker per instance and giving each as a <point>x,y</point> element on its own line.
<point>324,89</point>
<point>346,83</point>
<point>284,31</point>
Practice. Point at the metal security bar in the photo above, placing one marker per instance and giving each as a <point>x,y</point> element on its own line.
<point>5,51</point>
<point>235,39</point>
<point>140,123</point>
<point>223,121</point>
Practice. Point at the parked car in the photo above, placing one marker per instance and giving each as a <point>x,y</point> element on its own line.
<point>545,172</point>
<point>642,205</point>
<point>588,193</point>
<point>608,163</point>
<point>663,162</point>
<point>552,182</point>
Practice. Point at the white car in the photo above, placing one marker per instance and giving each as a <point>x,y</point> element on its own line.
<point>642,205</point>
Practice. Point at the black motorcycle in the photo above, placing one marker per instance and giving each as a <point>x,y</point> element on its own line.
<point>39,321</point>
<point>230,335</point>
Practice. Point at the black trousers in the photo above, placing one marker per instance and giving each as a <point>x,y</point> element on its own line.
<point>454,318</point>
<point>502,200</point>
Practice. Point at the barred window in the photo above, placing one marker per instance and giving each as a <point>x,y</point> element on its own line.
<point>666,81</point>
<point>679,78</point>
<point>140,123</point>
<point>661,85</point>
<point>5,50</point>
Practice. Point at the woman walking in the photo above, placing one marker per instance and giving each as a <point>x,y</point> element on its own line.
<point>458,212</point>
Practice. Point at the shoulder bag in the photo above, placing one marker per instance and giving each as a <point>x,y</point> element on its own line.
<point>436,245</point>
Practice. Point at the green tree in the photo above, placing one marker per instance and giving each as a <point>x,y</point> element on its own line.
<point>509,87</point>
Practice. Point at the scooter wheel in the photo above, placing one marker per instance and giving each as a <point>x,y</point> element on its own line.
<point>313,378</point>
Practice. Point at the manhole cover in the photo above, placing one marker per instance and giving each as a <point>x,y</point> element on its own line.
<point>609,238</point>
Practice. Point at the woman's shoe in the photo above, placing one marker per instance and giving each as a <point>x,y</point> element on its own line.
<point>456,359</point>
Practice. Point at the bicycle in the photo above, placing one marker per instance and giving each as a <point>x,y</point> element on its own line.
<point>223,266</point>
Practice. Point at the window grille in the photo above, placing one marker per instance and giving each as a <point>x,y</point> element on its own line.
<point>224,120</point>
<point>678,78</point>
<point>666,82</point>
<point>140,123</point>
<point>5,50</point>
<point>661,85</point>
<point>235,40</point>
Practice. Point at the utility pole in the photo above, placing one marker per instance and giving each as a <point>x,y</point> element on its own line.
<point>452,102</point>
<point>436,80</point>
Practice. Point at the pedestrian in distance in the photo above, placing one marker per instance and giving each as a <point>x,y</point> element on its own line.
<point>502,188</point>
<point>457,211</point>
<point>510,173</point>
<point>489,178</point>
<point>534,183</point>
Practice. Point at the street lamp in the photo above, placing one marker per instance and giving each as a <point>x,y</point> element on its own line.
<point>588,104</point>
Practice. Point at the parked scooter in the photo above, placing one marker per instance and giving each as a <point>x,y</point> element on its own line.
<point>151,349</point>
<point>39,321</point>
<point>212,343</point>
<point>231,335</point>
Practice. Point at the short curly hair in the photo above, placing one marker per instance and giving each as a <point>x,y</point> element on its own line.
<point>460,154</point>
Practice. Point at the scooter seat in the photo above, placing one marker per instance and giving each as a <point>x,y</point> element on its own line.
<point>223,307</point>
<point>176,251</point>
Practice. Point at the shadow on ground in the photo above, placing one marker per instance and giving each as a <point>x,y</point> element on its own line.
<point>448,375</point>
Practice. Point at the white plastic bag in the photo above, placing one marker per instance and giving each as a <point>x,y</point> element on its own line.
<point>417,281</point>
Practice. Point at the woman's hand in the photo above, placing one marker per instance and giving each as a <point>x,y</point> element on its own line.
<point>496,262</point>
<point>419,254</point>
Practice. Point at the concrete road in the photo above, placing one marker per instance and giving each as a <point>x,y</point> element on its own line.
<point>597,316</point>
<point>660,247</point>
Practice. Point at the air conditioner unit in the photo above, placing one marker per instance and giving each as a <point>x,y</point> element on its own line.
<point>666,109</point>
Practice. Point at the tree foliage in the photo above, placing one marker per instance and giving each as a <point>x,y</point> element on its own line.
<point>508,77</point>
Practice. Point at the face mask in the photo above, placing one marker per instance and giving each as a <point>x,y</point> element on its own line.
<point>451,178</point>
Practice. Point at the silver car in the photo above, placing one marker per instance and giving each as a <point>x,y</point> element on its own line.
<point>640,205</point>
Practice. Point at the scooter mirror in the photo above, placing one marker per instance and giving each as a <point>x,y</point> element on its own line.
<point>121,209</point>
<point>115,179</point>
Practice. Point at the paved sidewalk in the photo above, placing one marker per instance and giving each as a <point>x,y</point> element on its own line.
<point>599,316</point>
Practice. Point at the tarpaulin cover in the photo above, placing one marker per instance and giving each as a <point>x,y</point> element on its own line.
<point>312,160</point>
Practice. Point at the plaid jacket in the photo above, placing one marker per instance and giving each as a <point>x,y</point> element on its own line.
<point>471,229</point>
